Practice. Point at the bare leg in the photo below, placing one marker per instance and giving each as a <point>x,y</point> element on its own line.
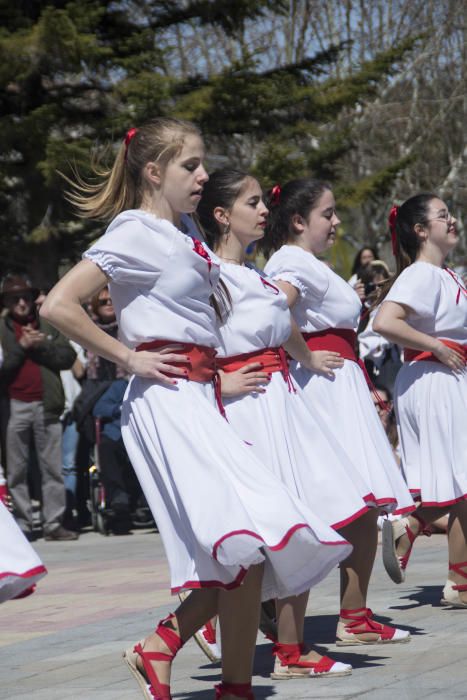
<point>290,622</point>
<point>355,571</point>
<point>457,543</point>
<point>192,614</point>
<point>428,515</point>
<point>239,611</point>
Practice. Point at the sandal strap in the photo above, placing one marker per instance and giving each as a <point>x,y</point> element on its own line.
<point>424,529</point>
<point>170,636</point>
<point>159,691</point>
<point>458,568</point>
<point>364,624</point>
<point>209,633</point>
<point>240,690</point>
<point>289,655</point>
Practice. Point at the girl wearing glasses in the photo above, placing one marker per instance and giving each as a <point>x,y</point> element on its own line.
<point>425,311</point>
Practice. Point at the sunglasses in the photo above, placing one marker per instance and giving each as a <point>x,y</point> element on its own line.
<point>13,299</point>
<point>104,302</point>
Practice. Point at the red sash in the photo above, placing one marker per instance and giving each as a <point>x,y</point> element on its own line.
<point>201,365</point>
<point>272,359</point>
<point>421,355</point>
<point>343,341</point>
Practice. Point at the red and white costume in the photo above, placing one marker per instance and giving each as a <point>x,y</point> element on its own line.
<point>326,302</point>
<point>20,566</point>
<point>217,507</point>
<point>296,444</point>
<point>430,400</point>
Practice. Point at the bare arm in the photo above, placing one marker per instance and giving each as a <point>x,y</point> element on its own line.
<point>63,309</point>
<point>391,322</point>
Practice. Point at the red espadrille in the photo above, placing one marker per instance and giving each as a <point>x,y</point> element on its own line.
<point>289,664</point>
<point>357,627</point>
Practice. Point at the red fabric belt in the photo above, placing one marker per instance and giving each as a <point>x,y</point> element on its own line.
<point>420,355</point>
<point>272,359</point>
<point>341,340</point>
<point>201,366</point>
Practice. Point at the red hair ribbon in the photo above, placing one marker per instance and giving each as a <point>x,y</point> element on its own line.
<point>392,227</point>
<point>128,136</point>
<point>275,195</point>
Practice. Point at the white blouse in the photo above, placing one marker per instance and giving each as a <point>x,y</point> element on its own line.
<point>436,298</point>
<point>161,280</point>
<point>259,316</point>
<point>325,300</point>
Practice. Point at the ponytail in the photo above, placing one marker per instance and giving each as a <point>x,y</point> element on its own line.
<point>295,197</point>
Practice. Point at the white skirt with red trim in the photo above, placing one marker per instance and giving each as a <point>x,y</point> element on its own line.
<point>300,448</point>
<point>431,410</point>
<point>344,403</point>
<point>218,509</point>
<point>20,566</point>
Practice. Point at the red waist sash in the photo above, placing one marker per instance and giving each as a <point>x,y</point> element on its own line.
<point>272,359</point>
<point>201,365</point>
<point>411,355</point>
<point>341,340</point>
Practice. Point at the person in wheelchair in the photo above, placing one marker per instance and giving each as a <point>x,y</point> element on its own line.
<point>125,501</point>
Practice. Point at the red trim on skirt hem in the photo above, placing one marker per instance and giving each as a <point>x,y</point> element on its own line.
<point>437,504</point>
<point>27,574</point>
<point>212,584</point>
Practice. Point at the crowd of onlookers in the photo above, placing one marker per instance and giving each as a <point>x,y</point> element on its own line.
<point>60,418</point>
<point>60,410</point>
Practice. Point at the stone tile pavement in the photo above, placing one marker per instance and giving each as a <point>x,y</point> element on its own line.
<point>103,593</point>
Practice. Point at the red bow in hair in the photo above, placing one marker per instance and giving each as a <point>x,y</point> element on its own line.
<point>275,195</point>
<point>129,135</point>
<point>392,227</point>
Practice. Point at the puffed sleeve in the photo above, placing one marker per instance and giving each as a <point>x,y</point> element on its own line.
<point>300,269</point>
<point>419,288</point>
<point>131,253</point>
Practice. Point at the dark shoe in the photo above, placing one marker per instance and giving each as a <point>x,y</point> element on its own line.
<point>60,534</point>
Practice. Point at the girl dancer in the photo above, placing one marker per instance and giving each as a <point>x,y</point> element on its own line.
<point>261,402</point>
<point>184,453</point>
<point>425,310</point>
<point>301,225</point>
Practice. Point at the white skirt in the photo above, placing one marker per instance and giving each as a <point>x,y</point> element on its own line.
<point>344,402</point>
<point>431,411</point>
<point>218,509</point>
<point>20,566</point>
<point>299,447</point>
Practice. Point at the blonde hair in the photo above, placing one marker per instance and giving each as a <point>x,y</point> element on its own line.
<point>121,187</point>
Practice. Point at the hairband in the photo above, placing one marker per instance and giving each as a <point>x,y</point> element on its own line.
<point>392,227</point>
<point>275,195</point>
<point>129,135</point>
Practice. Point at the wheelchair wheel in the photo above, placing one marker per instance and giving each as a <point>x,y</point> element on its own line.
<point>102,523</point>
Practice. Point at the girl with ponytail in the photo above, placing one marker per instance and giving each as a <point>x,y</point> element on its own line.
<point>425,311</point>
<point>222,517</point>
<point>301,225</point>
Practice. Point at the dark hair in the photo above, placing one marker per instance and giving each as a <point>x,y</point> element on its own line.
<point>221,190</point>
<point>357,263</point>
<point>413,211</point>
<point>296,197</point>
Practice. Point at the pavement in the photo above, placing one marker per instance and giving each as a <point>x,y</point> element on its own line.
<point>104,593</point>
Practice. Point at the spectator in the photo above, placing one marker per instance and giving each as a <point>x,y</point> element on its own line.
<point>122,491</point>
<point>382,358</point>
<point>34,354</point>
<point>104,316</point>
<point>364,256</point>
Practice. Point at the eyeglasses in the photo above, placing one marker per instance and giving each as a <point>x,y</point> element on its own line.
<point>13,299</point>
<point>446,218</point>
<point>105,302</point>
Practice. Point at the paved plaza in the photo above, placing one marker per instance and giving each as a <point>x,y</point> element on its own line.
<point>104,593</point>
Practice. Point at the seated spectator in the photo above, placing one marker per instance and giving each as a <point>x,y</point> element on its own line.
<point>34,354</point>
<point>122,491</point>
